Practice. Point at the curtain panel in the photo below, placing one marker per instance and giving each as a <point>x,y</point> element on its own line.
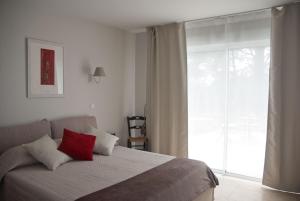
<point>228,86</point>
<point>282,161</point>
<point>166,102</point>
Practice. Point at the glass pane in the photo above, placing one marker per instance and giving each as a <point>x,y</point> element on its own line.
<point>248,104</point>
<point>206,95</point>
<point>228,61</point>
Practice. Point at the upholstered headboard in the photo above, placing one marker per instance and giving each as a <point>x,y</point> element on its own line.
<point>79,124</point>
<point>17,135</point>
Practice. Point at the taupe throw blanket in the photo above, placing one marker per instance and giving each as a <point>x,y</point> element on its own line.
<point>177,180</point>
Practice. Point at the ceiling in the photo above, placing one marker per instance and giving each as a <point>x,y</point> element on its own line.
<point>137,14</point>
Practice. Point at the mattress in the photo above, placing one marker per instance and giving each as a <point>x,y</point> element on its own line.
<point>75,179</point>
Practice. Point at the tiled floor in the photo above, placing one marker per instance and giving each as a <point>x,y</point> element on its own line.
<point>232,189</point>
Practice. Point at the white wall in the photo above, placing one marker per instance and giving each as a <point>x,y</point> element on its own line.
<point>140,72</point>
<point>86,45</point>
<point>129,82</point>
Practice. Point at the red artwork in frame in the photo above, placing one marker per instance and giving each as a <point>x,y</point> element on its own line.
<point>47,67</point>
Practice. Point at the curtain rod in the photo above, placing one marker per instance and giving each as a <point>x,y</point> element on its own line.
<point>228,15</point>
<point>241,13</point>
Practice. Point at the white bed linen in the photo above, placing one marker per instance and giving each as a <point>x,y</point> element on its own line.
<point>75,179</point>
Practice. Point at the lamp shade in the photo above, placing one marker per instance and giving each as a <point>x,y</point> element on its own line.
<point>99,72</point>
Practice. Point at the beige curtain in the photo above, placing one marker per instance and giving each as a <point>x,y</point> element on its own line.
<point>166,104</point>
<point>282,163</point>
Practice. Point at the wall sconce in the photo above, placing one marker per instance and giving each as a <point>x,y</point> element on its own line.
<point>99,72</point>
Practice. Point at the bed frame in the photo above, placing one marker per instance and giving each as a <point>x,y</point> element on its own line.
<point>21,134</point>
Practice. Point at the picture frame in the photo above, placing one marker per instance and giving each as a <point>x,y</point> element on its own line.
<point>45,69</point>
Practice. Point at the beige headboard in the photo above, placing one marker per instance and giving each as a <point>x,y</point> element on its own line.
<point>79,124</point>
<point>16,135</point>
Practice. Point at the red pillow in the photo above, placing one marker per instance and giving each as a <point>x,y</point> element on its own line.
<point>78,146</point>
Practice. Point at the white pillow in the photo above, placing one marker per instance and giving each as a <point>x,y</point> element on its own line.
<point>105,142</point>
<point>45,151</point>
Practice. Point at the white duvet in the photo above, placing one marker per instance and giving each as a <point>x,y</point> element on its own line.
<point>75,179</point>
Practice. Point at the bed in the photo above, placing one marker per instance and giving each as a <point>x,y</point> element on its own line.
<point>76,179</point>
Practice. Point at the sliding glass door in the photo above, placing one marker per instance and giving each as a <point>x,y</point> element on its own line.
<point>228,64</point>
<point>207,93</point>
<point>247,109</point>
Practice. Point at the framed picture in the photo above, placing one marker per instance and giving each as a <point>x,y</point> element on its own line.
<point>45,69</point>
